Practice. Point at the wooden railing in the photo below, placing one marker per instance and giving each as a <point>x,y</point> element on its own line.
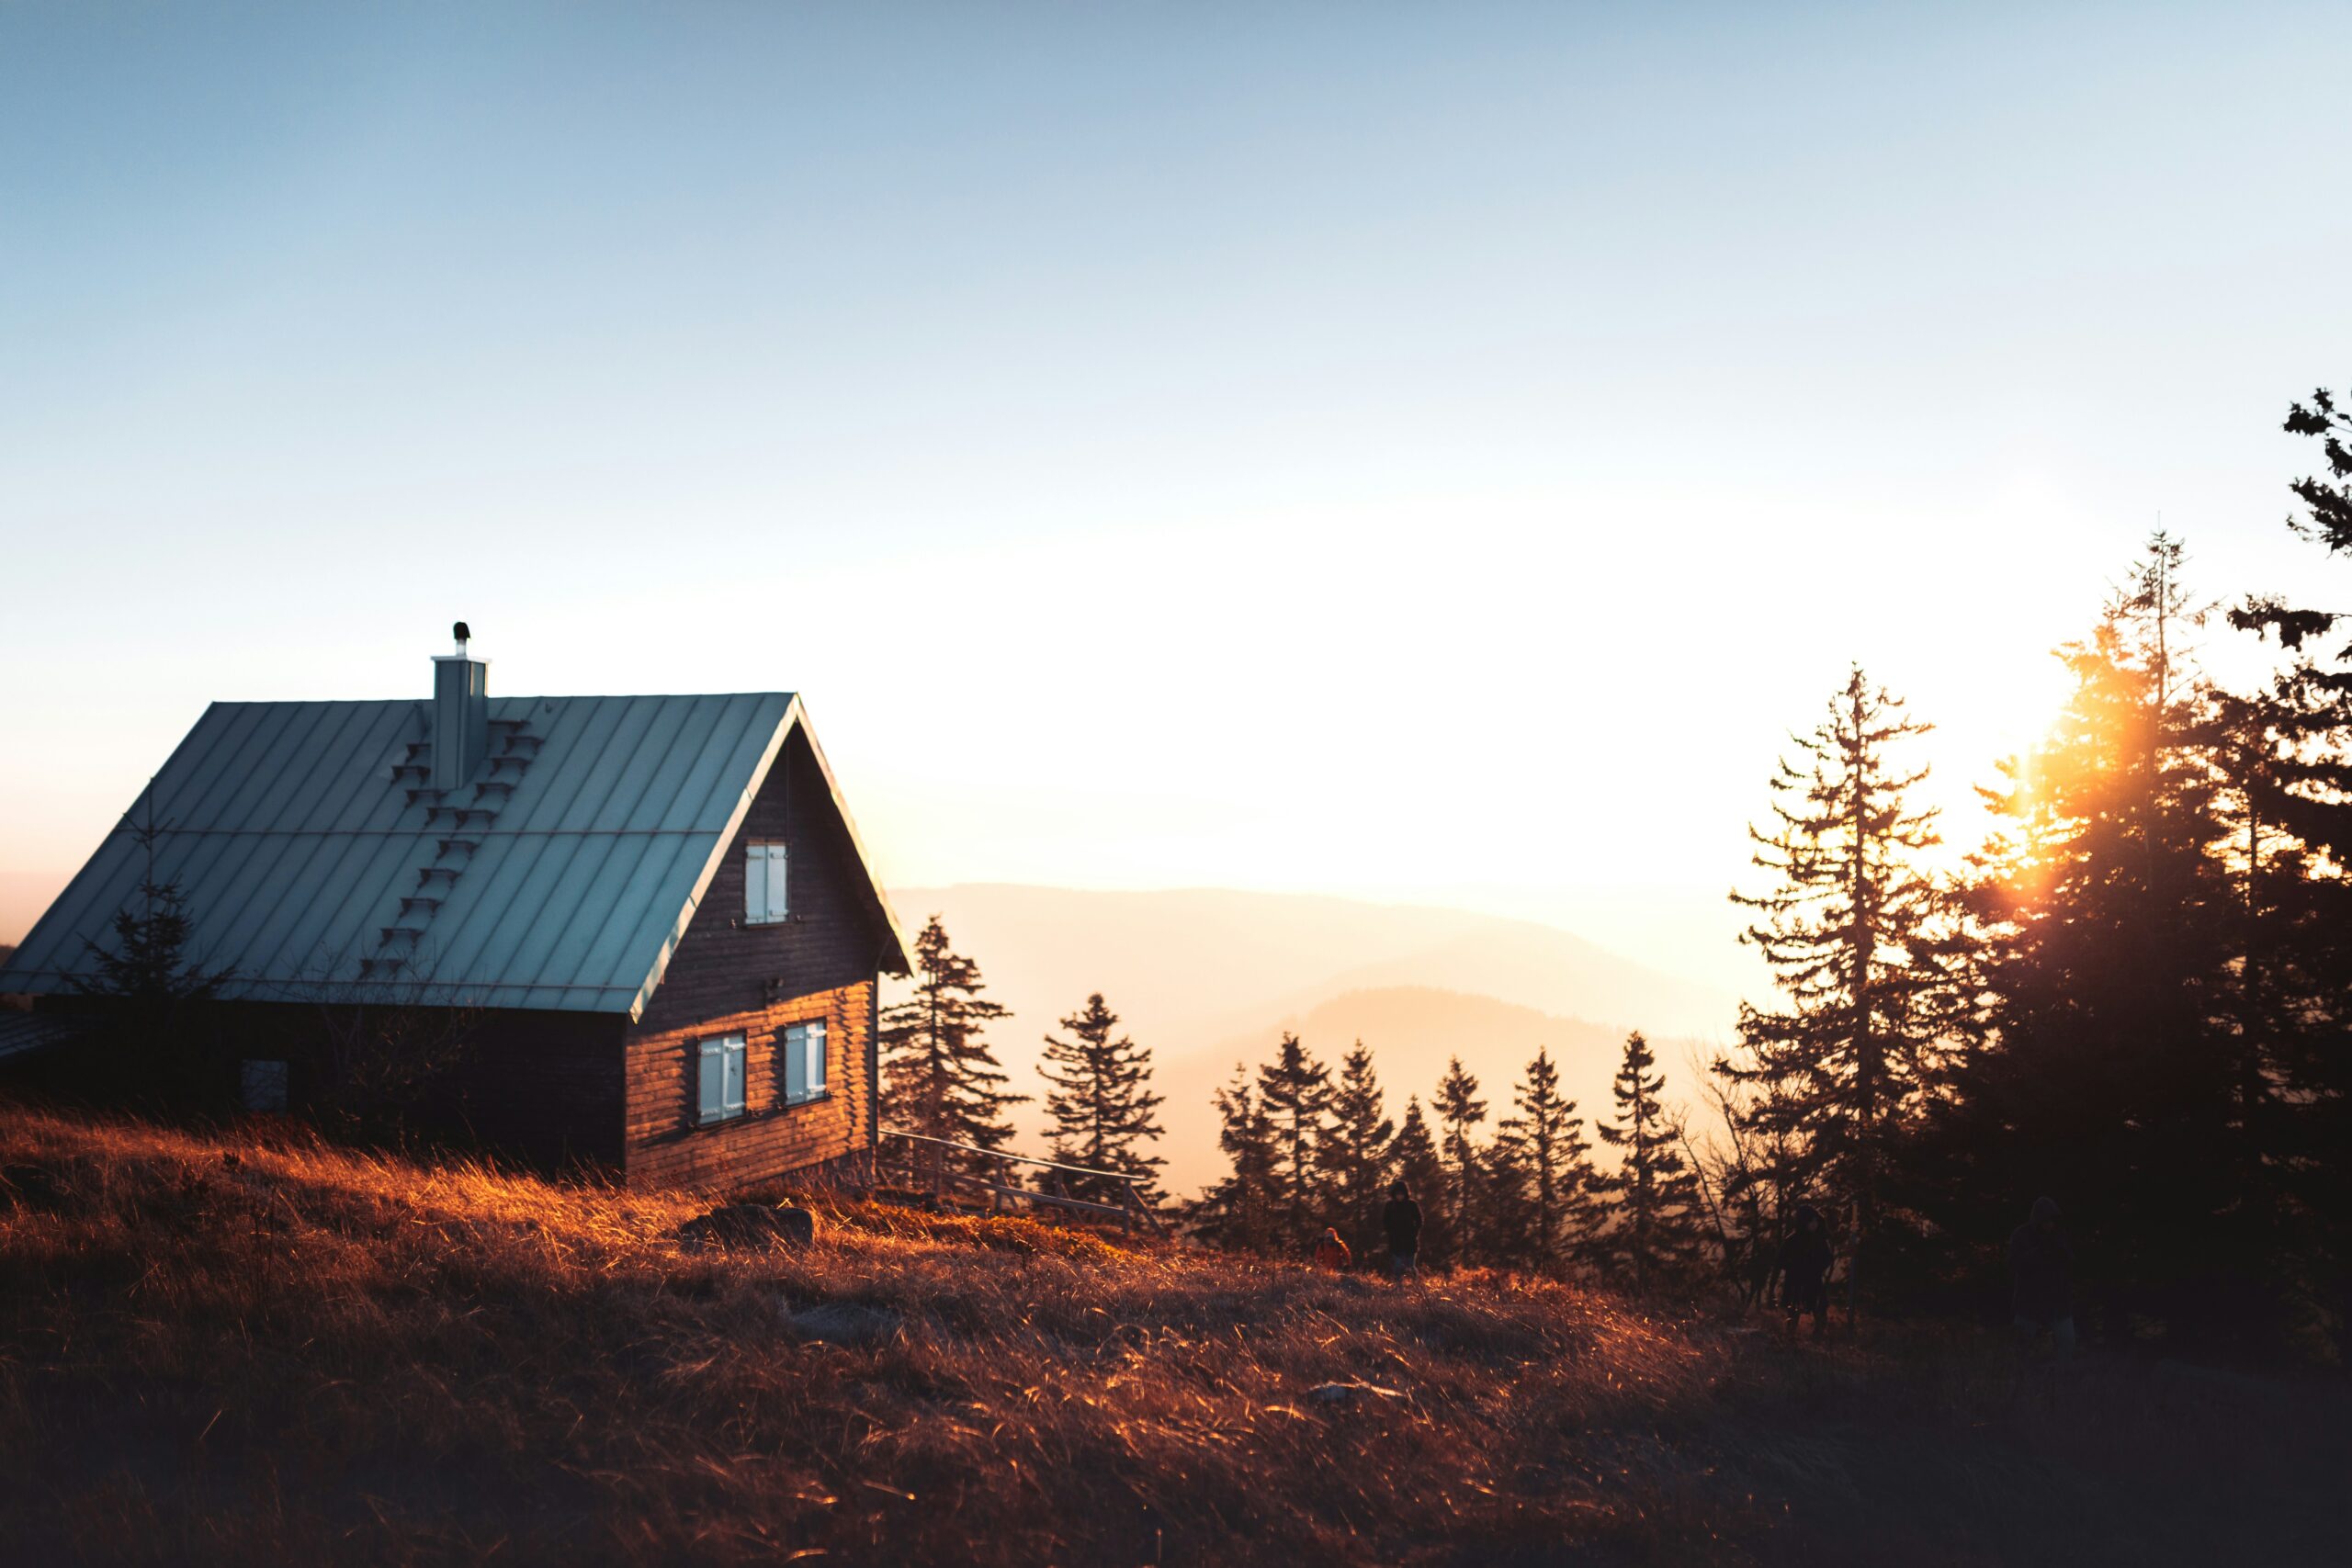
<point>936,1165</point>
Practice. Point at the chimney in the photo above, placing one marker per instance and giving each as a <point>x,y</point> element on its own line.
<point>460,714</point>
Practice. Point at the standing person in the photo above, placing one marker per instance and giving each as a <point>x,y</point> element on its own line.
<point>1803,1268</point>
<point>2042,1280</point>
<point>1402,1220</point>
<point>1332,1253</point>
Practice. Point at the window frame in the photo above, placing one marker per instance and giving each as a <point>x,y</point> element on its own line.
<point>767,866</point>
<point>731,1050</point>
<point>792,1061</point>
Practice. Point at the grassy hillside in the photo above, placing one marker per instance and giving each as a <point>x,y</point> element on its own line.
<point>238,1351</point>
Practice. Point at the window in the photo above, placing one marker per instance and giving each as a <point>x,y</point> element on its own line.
<point>718,1078</point>
<point>804,1062</point>
<point>764,885</point>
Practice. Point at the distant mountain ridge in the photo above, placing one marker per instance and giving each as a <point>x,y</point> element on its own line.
<point>1205,976</point>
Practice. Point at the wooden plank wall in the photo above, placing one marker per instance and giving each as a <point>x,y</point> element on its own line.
<point>728,977</point>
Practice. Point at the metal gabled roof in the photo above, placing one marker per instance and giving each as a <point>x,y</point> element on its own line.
<point>315,867</point>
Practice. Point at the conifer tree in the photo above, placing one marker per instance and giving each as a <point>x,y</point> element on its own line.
<point>2111,1073</point>
<point>1541,1155</point>
<point>1459,1110</point>
<point>1358,1154</point>
<point>1657,1202</point>
<point>942,1080</point>
<point>1294,1093</point>
<point>1100,1102</point>
<point>1239,1212</point>
<point>2293,779</point>
<point>1859,939</point>
<point>1422,1169</point>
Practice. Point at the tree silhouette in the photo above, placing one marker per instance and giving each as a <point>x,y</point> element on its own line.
<point>1860,941</point>
<point>1358,1152</point>
<point>1100,1102</point>
<point>1295,1094</point>
<point>1542,1167</point>
<point>1239,1212</point>
<point>2116,1048</point>
<point>942,1080</point>
<point>1657,1202</point>
<point>1420,1168</point>
<point>1459,1110</point>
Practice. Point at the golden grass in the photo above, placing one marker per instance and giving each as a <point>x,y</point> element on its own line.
<point>241,1348</point>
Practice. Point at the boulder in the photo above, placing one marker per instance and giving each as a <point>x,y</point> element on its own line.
<point>842,1323</point>
<point>749,1228</point>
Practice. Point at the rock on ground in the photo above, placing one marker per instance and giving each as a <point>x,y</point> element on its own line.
<point>749,1228</point>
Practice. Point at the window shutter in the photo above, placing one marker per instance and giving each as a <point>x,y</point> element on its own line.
<point>712,1085</point>
<point>796,1063</point>
<point>755,883</point>
<point>776,885</point>
<point>816,1059</point>
<point>732,1055</point>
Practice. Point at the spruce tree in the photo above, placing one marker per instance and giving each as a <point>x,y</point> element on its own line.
<point>2111,1068</point>
<point>150,982</point>
<point>1358,1155</point>
<point>1294,1093</point>
<point>1239,1212</point>
<point>1459,1110</point>
<point>1860,940</point>
<point>2291,774</point>
<point>1100,1102</point>
<point>941,1078</point>
<point>1656,1200</point>
<point>1422,1169</point>
<point>1542,1156</point>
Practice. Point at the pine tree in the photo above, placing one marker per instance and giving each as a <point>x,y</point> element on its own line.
<point>1541,1156</point>
<point>942,1080</point>
<point>1656,1238</point>
<point>1422,1170</point>
<point>1860,940</point>
<point>148,969</point>
<point>1100,1102</point>
<point>2112,1071</point>
<point>2292,771</point>
<point>1459,1110</point>
<point>1239,1212</point>
<point>1295,1092</point>
<point>1357,1152</point>
<point>149,980</point>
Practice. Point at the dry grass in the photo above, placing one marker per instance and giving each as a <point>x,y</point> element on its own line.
<point>233,1351</point>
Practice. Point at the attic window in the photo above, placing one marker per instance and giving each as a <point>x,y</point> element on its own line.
<point>763,884</point>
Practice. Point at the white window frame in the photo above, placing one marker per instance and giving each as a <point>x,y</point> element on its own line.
<point>804,1070</point>
<point>718,1074</point>
<point>766,883</point>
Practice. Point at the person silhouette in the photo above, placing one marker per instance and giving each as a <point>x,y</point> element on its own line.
<point>1804,1268</point>
<point>1402,1221</point>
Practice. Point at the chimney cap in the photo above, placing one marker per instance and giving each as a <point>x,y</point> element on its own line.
<point>463,635</point>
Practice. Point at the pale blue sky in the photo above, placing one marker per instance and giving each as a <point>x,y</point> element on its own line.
<point>1425,453</point>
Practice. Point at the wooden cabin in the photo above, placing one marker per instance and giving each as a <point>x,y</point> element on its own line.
<point>649,919</point>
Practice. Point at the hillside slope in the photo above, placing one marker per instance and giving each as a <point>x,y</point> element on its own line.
<point>226,1351</point>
